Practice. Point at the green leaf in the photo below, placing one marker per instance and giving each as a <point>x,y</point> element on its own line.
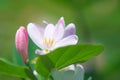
<point>31,50</point>
<point>16,71</point>
<point>17,58</point>
<point>65,56</point>
<point>44,66</point>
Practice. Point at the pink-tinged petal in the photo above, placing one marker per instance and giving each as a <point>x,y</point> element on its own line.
<point>41,29</point>
<point>70,40</point>
<point>21,42</point>
<point>36,34</point>
<point>61,21</point>
<point>70,30</point>
<point>37,51</point>
<point>59,29</point>
<point>49,31</point>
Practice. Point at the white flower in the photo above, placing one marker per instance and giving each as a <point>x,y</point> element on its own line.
<point>72,72</point>
<point>53,36</point>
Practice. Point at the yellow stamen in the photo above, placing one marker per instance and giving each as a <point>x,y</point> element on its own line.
<point>44,41</point>
<point>46,50</point>
<point>48,42</point>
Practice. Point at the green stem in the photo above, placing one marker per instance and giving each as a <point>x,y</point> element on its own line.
<point>34,77</point>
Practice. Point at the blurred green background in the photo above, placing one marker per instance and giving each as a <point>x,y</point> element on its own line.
<point>97,21</point>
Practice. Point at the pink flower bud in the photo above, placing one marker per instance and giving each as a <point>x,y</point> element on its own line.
<point>21,42</point>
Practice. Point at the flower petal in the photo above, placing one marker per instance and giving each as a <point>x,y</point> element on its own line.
<point>49,31</point>
<point>70,67</point>
<point>36,34</point>
<point>70,30</point>
<point>61,21</point>
<point>37,51</point>
<point>59,29</point>
<point>80,66</point>
<point>70,40</point>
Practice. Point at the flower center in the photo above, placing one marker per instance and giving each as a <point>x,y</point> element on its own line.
<point>48,43</point>
<point>46,50</point>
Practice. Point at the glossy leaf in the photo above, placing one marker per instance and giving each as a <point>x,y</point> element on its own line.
<point>65,56</point>
<point>16,71</point>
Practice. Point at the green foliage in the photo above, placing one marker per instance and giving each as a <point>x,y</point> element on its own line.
<point>16,71</point>
<point>65,56</point>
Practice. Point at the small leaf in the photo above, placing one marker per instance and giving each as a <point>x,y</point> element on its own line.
<point>44,65</point>
<point>16,71</point>
<point>65,56</point>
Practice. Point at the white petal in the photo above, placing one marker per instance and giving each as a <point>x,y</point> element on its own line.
<point>70,30</point>
<point>37,51</point>
<point>49,30</point>
<point>70,67</point>
<point>78,65</point>
<point>41,29</point>
<point>59,29</point>
<point>36,34</point>
<point>70,40</point>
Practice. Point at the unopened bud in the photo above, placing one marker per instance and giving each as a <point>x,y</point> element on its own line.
<point>21,42</point>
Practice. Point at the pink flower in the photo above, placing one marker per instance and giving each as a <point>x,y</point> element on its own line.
<point>53,36</point>
<point>21,42</point>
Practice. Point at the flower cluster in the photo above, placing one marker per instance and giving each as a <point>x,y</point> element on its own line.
<point>47,39</point>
